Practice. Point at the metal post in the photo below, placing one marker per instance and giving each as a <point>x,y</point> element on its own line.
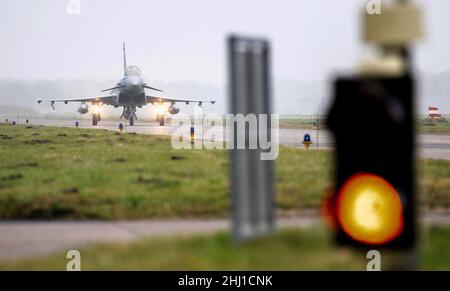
<point>251,178</point>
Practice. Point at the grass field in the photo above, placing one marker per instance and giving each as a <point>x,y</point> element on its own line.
<point>68,173</point>
<point>438,128</point>
<point>300,123</point>
<point>307,249</point>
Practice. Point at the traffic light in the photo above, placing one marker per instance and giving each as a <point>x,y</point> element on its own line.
<point>372,122</point>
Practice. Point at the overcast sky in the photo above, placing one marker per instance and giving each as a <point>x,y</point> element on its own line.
<point>185,40</point>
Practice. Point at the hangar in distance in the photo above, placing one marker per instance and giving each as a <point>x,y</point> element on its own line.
<point>130,94</point>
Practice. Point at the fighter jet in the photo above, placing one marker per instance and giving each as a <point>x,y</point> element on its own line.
<point>130,94</point>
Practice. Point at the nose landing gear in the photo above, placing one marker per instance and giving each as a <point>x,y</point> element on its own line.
<point>129,113</point>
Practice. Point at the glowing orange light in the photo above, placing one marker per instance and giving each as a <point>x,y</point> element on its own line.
<point>95,109</point>
<point>369,209</point>
<point>160,108</point>
<point>327,211</point>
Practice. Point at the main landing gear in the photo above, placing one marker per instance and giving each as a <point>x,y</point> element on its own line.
<point>96,118</point>
<point>160,119</point>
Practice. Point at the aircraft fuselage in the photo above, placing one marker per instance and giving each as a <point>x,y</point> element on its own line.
<point>133,92</point>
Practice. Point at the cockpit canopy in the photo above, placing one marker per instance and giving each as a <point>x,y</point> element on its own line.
<point>133,71</point>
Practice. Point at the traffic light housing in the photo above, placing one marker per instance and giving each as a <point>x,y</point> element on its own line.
<point>371,119</point>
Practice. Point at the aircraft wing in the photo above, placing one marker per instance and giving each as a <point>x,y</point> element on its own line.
<point>100,99</point>
<point>156,99</point>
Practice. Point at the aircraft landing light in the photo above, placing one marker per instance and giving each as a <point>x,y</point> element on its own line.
<point>160,108</point>
<point>95,109</point>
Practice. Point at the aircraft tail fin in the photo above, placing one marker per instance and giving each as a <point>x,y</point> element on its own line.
<point>124,58</point>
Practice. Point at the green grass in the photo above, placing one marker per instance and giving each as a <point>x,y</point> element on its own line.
<point>293,249</point>
<point>300,123</point>
<point>440,128</point>
<point>68,173</point>
<point>434,184</point>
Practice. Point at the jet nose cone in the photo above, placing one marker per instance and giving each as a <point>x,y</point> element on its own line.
<point>136,82</point>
